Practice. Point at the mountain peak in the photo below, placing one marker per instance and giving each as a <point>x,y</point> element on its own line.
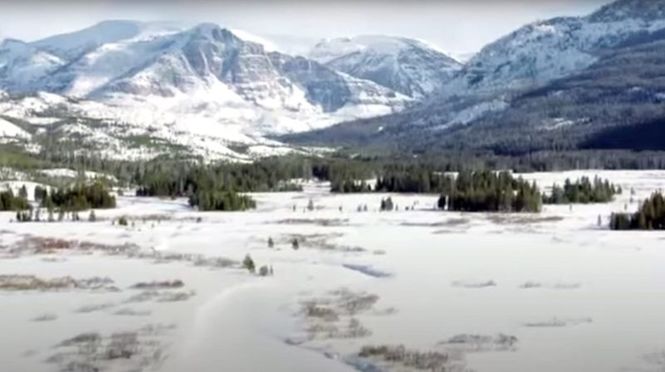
<point>10,42</point>
<point>630,9</point>
<point>405,65</point>
<point>328,49</point>
<point>207,28</point>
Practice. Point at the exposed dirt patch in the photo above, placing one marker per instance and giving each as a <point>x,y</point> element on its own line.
<point>132,312</point>
<point>367,270</point>
<point>316,241</point>
<point>48,317</point>
<point>166,284</point>
<point>32,283</point>
<point>474,283</point>
<point>44,245</point>
<point>314,221</point>
<point>94,307</point>
<point>557,285</point>
<point>160,296</point>
<point>446,223</point>
<point>558,322</point>
<point>399,358</point>
<point>333,316</point>
<point>469,343</point>
<point>521,219</point>
<point>136,350</point>
<point>30,245</point>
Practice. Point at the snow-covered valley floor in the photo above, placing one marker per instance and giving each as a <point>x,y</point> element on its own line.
<point>481,292</point>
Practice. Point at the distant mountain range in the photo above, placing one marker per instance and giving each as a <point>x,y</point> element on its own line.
<point>566,83</point>
<point>199,84</point>
<point>160,79</point>
<point>130,90</point>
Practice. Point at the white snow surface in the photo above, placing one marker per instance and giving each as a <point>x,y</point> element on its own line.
<point>70,173</point>
<point>9,130</point>
<point>577,297</point>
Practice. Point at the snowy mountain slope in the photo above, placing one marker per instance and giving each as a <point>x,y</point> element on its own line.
<point>404,65</point>
<point>617,103</point>
<point>66,126</point>
<point>55,63</point>
<point>543,51</point>
<point>22,66</point>
<point>563,84</point>
<point>11,131</point>
<point>71,45</point>
<point>138,90</point>
<point>130,62</point>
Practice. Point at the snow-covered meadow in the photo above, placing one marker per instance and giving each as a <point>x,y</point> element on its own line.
<point>481,292</point>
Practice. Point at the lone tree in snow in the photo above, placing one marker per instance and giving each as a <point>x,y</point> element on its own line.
<point>294,244</point>
<point>271,243</point>
<point>248,264</point>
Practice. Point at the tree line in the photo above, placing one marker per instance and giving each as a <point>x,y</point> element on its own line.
<point>70,199</point>
<point>221,201</point>
<point>185,179</point>
<point>650,216</point>
<point>470,191</point>
<point>487,191</point>
<point>398,178</point>
<point>11,202</point>
<point>583,191</point>
<point>76,198</point>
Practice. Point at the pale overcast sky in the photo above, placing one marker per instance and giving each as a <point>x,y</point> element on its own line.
<point>455,26</point>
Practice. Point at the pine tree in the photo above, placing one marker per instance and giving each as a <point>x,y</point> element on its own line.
<point>248,264</point>
<point>23,192</point>
<point>650,216</point>
<point>387,204</point>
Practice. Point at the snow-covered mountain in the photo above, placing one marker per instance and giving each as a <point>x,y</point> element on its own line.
<point>567,83</point>
<point>405,65</point>
<point>547,50</point>
<point>63,126</point>
<point>114,60</point>
<point>203,79</point>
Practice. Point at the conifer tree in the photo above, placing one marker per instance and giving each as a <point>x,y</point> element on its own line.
<point>248,264</point>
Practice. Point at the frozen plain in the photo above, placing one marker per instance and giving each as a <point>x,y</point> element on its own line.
<point>499,292</point>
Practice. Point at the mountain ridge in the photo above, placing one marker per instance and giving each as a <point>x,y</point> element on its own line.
<point>537,88</point>
<point>405,65</point>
